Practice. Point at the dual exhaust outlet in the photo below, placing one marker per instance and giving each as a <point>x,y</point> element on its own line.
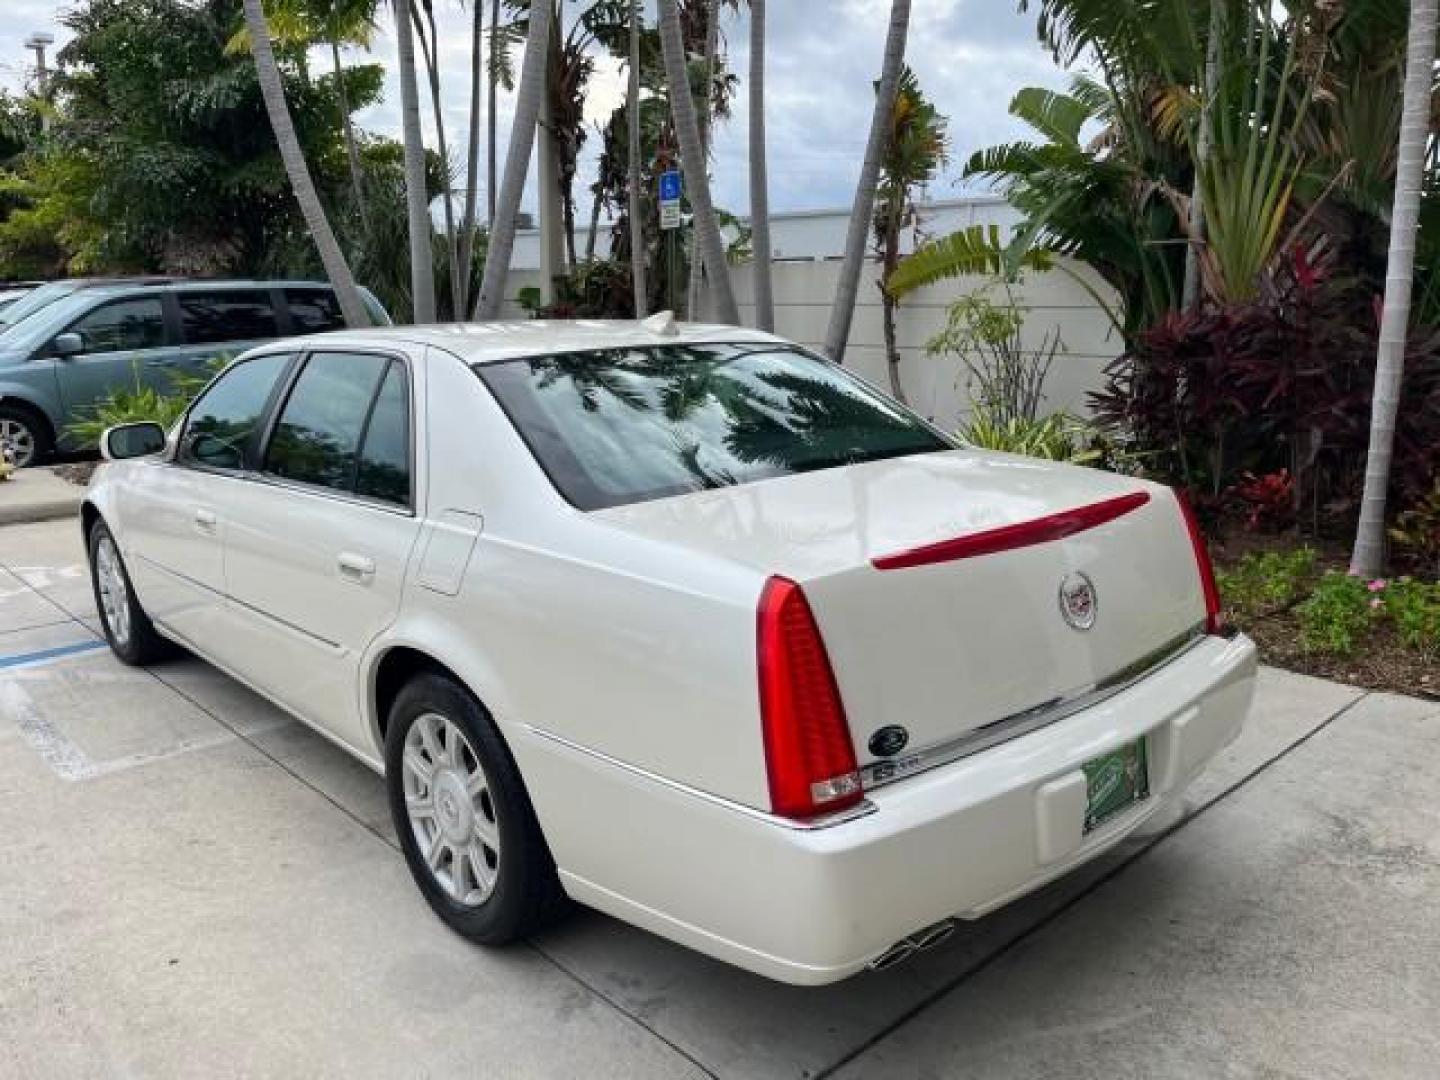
<point>919,941</point>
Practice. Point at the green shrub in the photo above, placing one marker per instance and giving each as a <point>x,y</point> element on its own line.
<point>1338,613</point>
<point>1266,582</point>
<point>141,403</point>
<point>1414,609</point>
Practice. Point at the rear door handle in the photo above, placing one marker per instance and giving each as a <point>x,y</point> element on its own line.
<point>357,568</point>
<point>205,521</point>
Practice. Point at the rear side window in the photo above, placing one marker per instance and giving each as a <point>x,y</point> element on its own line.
<point>223,421</point>
<point>626,425</point>
<point>313,311</point>
<point>345,427</point>
<point>227,315</point>
<point>122,325</point>
<point>384,468</point>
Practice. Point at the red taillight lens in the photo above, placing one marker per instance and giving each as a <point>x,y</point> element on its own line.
<point>1214,621</point>
<point>808,754</point>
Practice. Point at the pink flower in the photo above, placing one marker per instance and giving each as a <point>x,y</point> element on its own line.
<point>1378,585</point>
<point>1377,603</point>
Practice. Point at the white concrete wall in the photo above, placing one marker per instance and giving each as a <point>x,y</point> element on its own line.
<point>935,386</point>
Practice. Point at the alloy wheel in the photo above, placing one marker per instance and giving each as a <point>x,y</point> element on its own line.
<point>451,809</point>
<point>114,595</point>
<point>18,441</point>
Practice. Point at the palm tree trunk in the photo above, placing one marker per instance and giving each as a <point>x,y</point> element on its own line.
<point>637,224</point>
<point>1369,555</point>
<point>422,268</point>
<point>430,50</point>
<point>890,258</point>
<point>492,122</point>
<point>759,173</point>
<point>1190,289</point>
<point>848,289</point>
<point>594,228</point>
<point>711,246</point>
<point>267,72</point>
<point>472,155</point>
<point>517,162</point>
<point>347,128</point>
<point>712,43</point>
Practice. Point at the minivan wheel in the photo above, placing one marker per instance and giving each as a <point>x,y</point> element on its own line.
<point>463,816</point>
<point>128,629</point>
<point>24,436</point>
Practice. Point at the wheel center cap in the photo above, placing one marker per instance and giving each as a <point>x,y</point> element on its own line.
<point>452,806</point>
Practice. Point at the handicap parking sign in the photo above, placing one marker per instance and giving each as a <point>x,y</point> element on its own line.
<point>670,186</point>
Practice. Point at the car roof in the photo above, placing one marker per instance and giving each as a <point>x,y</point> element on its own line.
<point>478,343</point>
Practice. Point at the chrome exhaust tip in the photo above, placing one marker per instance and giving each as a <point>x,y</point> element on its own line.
<point>907,947</point>
<point>900,951</point>
<point>933,935</point>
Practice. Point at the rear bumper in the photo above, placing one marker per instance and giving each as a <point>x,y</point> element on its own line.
<point>814,906</point>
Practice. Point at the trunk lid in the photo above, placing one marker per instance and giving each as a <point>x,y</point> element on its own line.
<point>956,635</point>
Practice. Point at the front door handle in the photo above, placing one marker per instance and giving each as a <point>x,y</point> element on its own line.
<point>205,521</point>
<point>357,568</point>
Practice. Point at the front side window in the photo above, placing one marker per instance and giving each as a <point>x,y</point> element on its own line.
<point>318,436</point>
<point>626,425</point>
<point>227,315</point>
<point>122,325</point>
<point>224,421</point>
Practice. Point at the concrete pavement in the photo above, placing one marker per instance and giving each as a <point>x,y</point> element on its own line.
<point>197,884</point>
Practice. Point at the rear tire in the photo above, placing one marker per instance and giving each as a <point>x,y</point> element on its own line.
<point>26,434</point>
<point>464,819</point>
<point>128,629</point>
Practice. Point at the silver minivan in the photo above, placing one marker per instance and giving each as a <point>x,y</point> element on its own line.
<point>59,362</point>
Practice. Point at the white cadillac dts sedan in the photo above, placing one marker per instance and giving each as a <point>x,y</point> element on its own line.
<point>682,623</point>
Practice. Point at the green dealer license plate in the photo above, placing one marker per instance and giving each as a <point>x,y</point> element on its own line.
<point>1114,782</point>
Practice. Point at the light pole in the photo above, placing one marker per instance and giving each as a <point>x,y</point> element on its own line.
<point>38,42</point>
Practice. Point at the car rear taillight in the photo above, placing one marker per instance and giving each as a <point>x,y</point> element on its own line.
<point>1214,622</point>
<point>808,753</point>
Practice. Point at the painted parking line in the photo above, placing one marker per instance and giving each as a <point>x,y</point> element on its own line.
<point>42,656</point>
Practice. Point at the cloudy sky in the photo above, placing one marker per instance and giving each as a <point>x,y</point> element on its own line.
<point>970,56</point>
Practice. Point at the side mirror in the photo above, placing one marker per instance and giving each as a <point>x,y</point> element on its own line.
<point>131,441</point>
<point>68,344</point>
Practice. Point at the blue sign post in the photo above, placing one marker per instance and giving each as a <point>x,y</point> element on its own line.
<point>671,188</point>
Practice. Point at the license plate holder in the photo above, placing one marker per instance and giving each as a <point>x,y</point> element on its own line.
<point>1114,782</point>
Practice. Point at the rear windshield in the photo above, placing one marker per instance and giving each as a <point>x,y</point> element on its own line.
<point>626,425</point>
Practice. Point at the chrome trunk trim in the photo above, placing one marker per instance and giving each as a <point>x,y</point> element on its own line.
<point>877,774</point>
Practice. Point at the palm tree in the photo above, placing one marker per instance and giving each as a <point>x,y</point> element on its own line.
<point>267,72</point>
<point>493,70</point>
<point>632,116</point>
<point>710,245</point>
<point>417,201</point>
<point>712,44</point>
<point>468,223</point>
<point>1369,554</point>
<point>430,52</point>
<point>915,147</point>
<point>517,163</point>
<point>848,289</point>
<point>759,179</point>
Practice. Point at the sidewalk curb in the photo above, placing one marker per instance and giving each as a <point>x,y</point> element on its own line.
<point>38,495</point>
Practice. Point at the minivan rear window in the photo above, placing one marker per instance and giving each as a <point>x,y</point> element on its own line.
<point>313,311</point>
<point>626,425</point>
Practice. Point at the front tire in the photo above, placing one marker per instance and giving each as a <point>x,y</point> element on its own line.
<point>128,629</point>
<point>25,435</point>
<point>464,819</point>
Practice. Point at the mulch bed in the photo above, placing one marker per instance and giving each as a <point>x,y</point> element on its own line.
<point>1381,663</point>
